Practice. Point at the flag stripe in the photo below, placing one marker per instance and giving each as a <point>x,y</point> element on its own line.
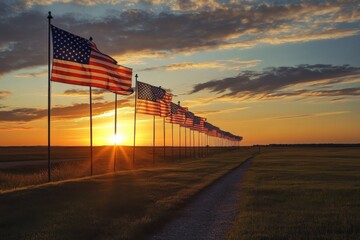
<point>78,61</point>
<point>89,68</point>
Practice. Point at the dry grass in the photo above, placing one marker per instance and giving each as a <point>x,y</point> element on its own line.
<point>77,162</point>
<point>125,205</point>
<point>301,193</point>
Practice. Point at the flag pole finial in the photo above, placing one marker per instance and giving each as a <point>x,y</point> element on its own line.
<point>49,16</point>
<point>179,103</point>
<point>136,76</point>
<point>90,38</point>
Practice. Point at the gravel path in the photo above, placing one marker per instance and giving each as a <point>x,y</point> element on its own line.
<point>211,214</point>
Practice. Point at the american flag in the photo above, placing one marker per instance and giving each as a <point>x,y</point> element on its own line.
<point>189,116</point>
<point>177,115</point>
<point>198,124</point>
<point>152,100</point>
<point>78,61</point>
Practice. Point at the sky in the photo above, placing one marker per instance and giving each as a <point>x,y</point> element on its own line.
<point>269,71</point>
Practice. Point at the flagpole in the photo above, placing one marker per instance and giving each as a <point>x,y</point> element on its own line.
<point>179,136</point>
<point>200,152</point>
<point>49,99</point>
<point>91,129</point>
<point>91,135</point>
<point>185,143</point>
<point>172,140</point>
<point>179,142</point>
<point>154,139</point>
<point>115,133</point>
<point>164,138</point>
<point>190,143</point>
<point>136,94</point>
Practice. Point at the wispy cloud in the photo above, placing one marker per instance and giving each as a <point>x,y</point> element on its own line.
<point>270,83</point>
<point>32,75</point>
<point>97,94</point>
<point>323,114</point>
<point>181,27</point>
<point>4,94</point>
<point>217,111</point>
<point>60,112</point>
<point>235,64</point>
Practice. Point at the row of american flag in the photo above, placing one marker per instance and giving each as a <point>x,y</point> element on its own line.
<point>78,61</point>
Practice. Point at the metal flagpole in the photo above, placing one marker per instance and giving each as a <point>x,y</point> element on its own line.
<point>190,143</point>
<point>154,139</point>
<point>91,129</point>
<point>179,141</point>
<point>172,140</point>
<point>115,133</point>
<point>179,136</point>
<point>199,144</point>
<point>194,144</point>
<point>136,94</point>
<point>49,100</point>
<point>185,143</point>
<point>164,138</point>
<point>91,135</point>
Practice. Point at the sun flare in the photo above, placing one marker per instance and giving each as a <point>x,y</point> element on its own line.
<point>118,139</point>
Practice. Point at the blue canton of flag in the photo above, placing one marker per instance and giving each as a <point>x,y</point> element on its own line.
<point>70,47</point>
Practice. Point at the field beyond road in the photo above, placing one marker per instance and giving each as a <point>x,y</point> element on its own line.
<point>301,193</point>
<point>126,205</point>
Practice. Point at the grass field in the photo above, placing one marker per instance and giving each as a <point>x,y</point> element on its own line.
<point>74,162</point>
<point>301,193</point>
<point>125,205</point>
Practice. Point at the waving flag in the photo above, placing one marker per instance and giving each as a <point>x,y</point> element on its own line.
<point>198,124</point>
<point>152,100</point>
<point>177,115</point>
<point>189,119</point>
<point>78,61</point>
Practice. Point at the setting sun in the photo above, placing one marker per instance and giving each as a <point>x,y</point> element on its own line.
<point>118,139</point>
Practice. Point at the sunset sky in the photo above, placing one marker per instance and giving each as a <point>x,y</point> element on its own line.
<point>270,71</point>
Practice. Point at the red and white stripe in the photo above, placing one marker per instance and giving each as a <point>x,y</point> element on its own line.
<point>101,72</point>
<point>164,105</point>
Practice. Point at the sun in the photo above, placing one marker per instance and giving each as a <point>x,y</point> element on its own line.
<point>117,139</point>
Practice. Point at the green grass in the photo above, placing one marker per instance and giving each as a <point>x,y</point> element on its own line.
<point>301,193</point>
<point>125,205</point>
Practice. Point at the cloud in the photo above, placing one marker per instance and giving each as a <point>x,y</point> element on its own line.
<point>15,128</point>
<point>32,75</point>
<point>60,112</point>
<point>4,94</point>
<point>323,114</point>
<point>81,92</point>
<point>229,110</point>
<point>197,26</point>
<point>269,82</point>
<point>235,64</point>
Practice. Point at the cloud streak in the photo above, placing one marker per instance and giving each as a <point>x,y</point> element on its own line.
<point>269,83</point>
<point>60,112</point>
<point>193,27</point>
<point>4,94</point>
<point>235,64</point>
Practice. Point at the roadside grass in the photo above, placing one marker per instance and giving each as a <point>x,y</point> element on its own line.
<point>74,162</point>
<point>300,193</point>
<point>125,205</point>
